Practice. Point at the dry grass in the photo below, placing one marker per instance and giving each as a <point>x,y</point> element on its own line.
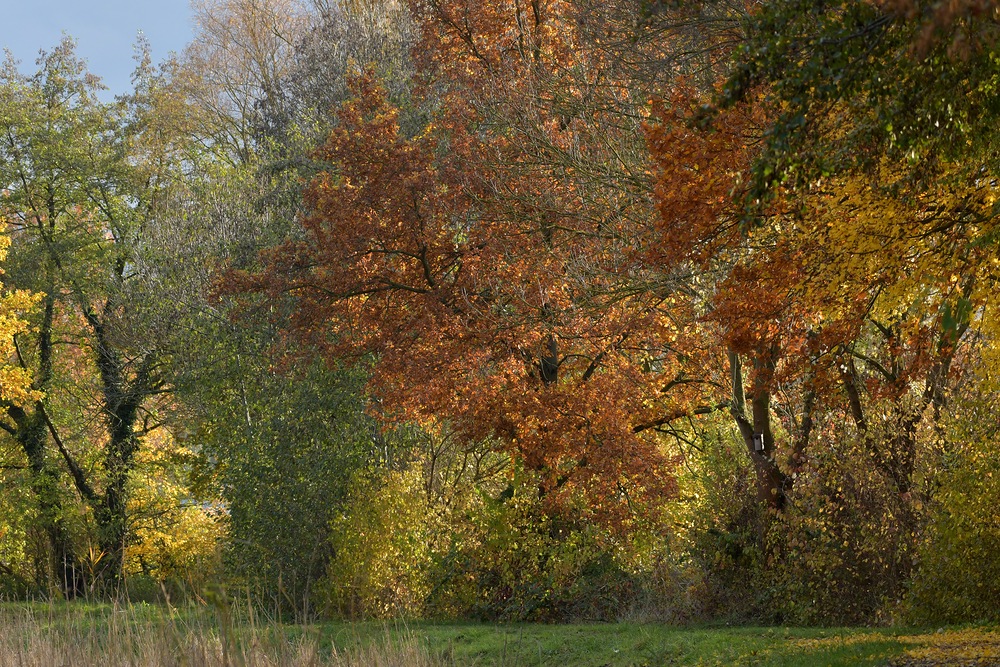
<point>127,637</point>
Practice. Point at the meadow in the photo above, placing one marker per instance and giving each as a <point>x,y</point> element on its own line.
<point>143,635</point>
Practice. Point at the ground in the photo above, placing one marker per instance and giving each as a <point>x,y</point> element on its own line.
<point>964,648</point>
<point>51,631</point>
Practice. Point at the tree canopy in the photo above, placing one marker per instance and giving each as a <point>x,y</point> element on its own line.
<point>511,309</point>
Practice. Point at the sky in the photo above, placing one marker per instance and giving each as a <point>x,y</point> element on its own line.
<point>105,31</point>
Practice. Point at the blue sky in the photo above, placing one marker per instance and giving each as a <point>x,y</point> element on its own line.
<point>105,31</point>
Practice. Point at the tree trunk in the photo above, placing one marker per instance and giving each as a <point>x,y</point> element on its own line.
<point>771,482</point>
<point>112,514</point>
<point>122,400</point>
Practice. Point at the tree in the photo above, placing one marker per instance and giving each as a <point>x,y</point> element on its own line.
<point>499,260</point>
<point>284,438</point>
<point>485,276</point>
<point>343,38</point>
<point>870,82</point>
<point>234,68</point>
<point>15,390</point>
<point>76,201</point>
<point>848,237</point>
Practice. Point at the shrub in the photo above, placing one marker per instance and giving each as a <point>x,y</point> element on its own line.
<point>957,577</point>
<point>380,548</point>
<point>521,560</point>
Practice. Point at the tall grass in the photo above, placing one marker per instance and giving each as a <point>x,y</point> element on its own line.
<point>145,636</point>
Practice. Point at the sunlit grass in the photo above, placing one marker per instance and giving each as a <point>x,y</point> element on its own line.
<point>102,635</point>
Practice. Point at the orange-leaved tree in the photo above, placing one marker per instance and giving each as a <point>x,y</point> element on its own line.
<point>495,261</point>
<point>474,316</point>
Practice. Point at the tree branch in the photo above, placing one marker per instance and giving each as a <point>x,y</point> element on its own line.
<point>680,414</point>
<point>79,478</point>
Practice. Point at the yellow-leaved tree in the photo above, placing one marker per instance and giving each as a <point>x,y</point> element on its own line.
<point>15,389</point>
<point>15,382</point>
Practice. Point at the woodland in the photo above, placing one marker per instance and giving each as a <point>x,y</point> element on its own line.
<point>512,310</point>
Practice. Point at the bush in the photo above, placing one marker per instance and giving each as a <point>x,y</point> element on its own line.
<point>142,588</point>
<point>380,546</point>
<point>424,540</point>
<point>957,576</point>
<point>838,553</point>
<point>722,530</point>
<point>13,586</point>
<point>520,560</point>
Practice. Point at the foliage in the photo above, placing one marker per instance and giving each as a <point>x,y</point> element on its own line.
<point>381,548</point>
<point>15,389</point>
<point>75,201</point>
<point>284,473</point>
<point>721,529</point>
<point>343,39</point>
<point>15,381</point>
<point>369,283</point>
<point>512,310</point>
<point>956,564</point>
<point>416,540</point>
<point>848,248</point>
<point>511,559</point>
<point>842,554</point>
<point>177,537</point>
<point>278,439</point>
<point>883,74</point>
<point>231,73</point>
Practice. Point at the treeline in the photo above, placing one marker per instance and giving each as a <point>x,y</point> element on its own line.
<point>530,309</point>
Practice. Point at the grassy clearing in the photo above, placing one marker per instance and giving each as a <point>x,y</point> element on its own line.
<point>653,645</point>
<point>81,635</point>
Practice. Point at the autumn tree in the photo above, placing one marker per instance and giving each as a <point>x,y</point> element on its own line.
<point>79,192</point>
<point>493,260</point>
<point>15,391</point>
<point>843,205</point>
<point>285,437</point>
<point>234,68</point>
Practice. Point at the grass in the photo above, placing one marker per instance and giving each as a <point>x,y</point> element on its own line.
<point>97,635</point>
<point>88,635</point>
<point>633,645</point>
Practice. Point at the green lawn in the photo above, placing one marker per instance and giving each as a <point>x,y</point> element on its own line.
<point>626,644</point>
<point>450,644</point>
